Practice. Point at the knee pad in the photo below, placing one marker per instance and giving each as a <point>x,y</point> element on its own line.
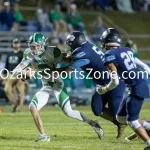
<point>121,119</point>
<point>134,124</point>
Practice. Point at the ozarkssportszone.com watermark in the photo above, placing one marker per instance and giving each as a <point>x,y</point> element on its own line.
<point>48,74</point>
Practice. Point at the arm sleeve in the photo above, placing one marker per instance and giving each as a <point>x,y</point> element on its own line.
<point>142,65</point>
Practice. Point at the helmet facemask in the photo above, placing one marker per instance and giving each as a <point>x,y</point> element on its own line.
<point>37,48</point>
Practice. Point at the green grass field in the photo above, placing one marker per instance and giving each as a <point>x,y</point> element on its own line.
<point>17,131</point>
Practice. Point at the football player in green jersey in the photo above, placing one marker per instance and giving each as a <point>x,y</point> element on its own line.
<point>45,59</point>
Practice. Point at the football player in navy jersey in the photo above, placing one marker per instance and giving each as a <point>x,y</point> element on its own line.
<point>121,63</point>
<point>88,57</point>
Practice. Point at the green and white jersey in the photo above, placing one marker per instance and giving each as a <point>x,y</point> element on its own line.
<point>43,64</point>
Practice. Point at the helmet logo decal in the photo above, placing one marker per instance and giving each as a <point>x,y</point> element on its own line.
<point>70,37</point>
<point>104,34</point>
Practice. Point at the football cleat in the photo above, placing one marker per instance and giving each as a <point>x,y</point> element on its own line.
<point>120,129</point>
<point>98,129</point>
<point>44,138</point>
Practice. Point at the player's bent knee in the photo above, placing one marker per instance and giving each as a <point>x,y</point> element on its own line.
<point>121,119</point>
<point>134,124</point>
<point>97,112</point>
<point>32,105</point>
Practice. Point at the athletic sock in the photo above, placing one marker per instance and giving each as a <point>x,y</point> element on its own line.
<point>86,119</point>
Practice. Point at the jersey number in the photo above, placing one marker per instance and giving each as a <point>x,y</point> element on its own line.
<point>128,60</point>
<point>98,51</point>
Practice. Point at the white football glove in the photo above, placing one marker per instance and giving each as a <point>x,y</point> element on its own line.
<point>101,89</point>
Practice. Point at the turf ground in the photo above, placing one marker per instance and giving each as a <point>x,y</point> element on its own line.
<point>17,131</point>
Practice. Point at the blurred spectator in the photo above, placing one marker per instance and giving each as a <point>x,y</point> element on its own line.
<point>124,6</point>
<point>74,19</point>
<point>13,86</point>
<point>64,4</point>
<point>146,5</point>
<point>56,17</point>
<point>133,46</point>
<point>18,16</point>
<point>98,26</point>
<point>43,20</point>
<point>7,18</point>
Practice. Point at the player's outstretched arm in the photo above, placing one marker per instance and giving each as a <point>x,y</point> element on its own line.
<point>142,65</point>
<point>22,68</point>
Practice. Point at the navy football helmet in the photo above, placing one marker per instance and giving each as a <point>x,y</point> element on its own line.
<point>75,40</point>
<point>110,37</point>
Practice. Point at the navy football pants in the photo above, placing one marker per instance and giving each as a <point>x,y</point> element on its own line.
<point>130,107</point>
<point>113,98</point>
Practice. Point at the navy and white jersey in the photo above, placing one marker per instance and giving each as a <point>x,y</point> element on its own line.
<point>89,57</point>
<point>124,60</point>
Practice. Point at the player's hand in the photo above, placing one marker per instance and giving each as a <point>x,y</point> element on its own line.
<point>101,89</point>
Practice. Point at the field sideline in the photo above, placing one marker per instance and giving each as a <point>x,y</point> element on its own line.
<point>17,131</point>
